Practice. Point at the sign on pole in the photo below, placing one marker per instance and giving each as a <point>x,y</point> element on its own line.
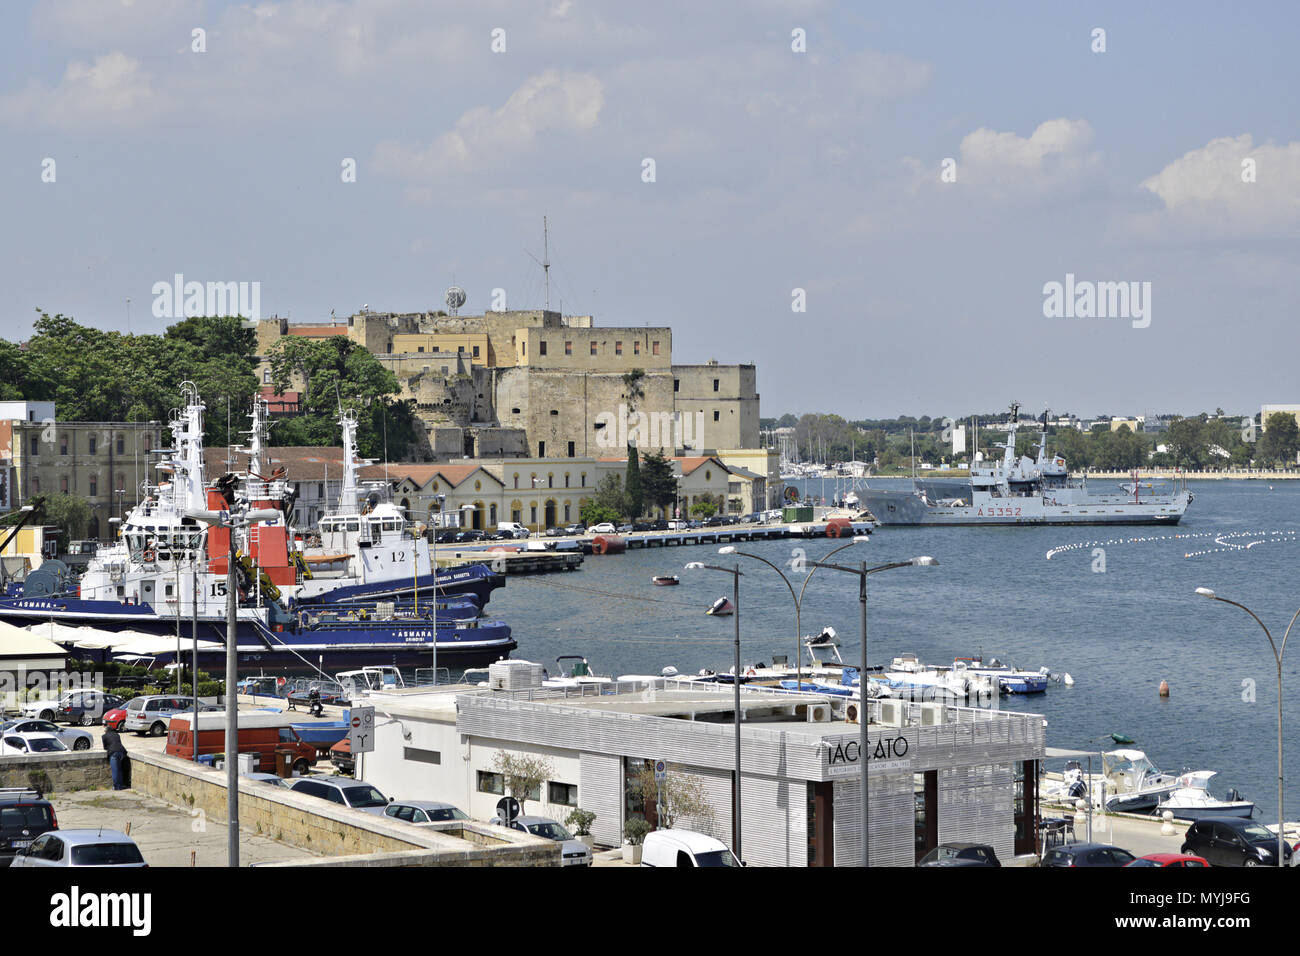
<point>661,771</point>
<point>361,729</point>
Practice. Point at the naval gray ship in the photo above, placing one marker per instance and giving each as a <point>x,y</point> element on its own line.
<point>1011,491</point>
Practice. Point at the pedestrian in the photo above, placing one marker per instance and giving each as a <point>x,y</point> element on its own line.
<point>117,758</point>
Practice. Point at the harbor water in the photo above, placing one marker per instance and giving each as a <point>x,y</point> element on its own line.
<point>1117,611</point>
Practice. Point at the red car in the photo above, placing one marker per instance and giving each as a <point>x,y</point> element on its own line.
<point>113,718</point>
<point>1169,859</point>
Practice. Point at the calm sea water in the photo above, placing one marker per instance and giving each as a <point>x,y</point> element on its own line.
<point>1118,632</point>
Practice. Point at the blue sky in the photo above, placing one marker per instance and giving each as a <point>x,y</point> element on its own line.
<point>774,171</point>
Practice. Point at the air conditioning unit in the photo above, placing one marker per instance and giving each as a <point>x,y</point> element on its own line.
<point>932,715</point>
<point>819,713</point>
<point>851,712</point>
<point>514,675</point>
<point>892,713</point>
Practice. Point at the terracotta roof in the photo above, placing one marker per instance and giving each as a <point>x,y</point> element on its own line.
<point>453,475</point>
<point>688,464</point>
<point>300,462</point>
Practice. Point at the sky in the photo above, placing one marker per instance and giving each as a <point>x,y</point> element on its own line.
<point>870,202</point>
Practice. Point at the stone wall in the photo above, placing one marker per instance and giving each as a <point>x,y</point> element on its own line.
<point>347,836</point>
<point>57,773</point>
<point>734,403</point>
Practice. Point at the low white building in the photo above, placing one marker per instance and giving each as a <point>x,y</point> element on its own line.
<point>938,773</point>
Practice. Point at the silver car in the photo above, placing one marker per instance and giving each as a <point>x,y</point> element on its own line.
<point>424,811</point>
<point>152,715</point>
<point>93,847</point>
<point>24,745</point>
<point>573,850</point>
<point>343,790</point>
<point>72,738</point>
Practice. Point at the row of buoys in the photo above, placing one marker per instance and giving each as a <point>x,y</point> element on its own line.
<point>1221,538</point>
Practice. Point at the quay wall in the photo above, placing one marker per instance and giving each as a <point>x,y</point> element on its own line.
<point>57,773</point>
<point>338,833</point>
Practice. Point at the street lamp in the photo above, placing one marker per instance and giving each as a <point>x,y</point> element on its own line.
<point>798,598</point>
<point>231,521</point>
<point>735,573</point>
<point>1277,658</point>
<point>924,561</point>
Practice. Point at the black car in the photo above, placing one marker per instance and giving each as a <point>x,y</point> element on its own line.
<point>24,815</point>
<point>961,854</point>
<point>445,537</point>
<point>1234,841</point>
<point>86,707</point>
<point>1087,854</point>
<point>463,537</point>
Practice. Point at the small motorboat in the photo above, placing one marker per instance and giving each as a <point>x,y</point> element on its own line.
<point>721,608</point>
<point>666,580</point>
<point>1133,783</point>
<point>1191,800</point>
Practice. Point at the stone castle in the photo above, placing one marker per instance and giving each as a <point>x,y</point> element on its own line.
<point>543,385</point>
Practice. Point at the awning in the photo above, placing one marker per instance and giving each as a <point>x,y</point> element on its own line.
<point>1052,752</point>
<point>18,642</point>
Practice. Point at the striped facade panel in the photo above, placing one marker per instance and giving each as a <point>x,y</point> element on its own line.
<point>892,816</point>
<point>716,790</point>
<point>976,806</point>
<point>600,790</point>
<point>774,821</point>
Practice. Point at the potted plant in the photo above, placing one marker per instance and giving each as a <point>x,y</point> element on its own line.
<point>581,821</point>
<point>634,832</point>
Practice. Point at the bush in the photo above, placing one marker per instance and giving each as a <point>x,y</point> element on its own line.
<point>635,829</point>
<point>581,821</point>
<point>211,688</point>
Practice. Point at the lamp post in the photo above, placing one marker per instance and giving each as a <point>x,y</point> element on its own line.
<point>230,521</point>
<point>1278,651</point>
<point>735,573</point>
<point>924,561</point>
<point>798,598</point>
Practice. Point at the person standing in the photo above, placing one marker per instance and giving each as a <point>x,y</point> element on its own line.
<point>116,757</point>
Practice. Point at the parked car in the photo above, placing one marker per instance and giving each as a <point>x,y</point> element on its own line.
<point>684,848</point>
<point>445,537</point>
<point>575,528</point>
<point>344,791</point>
<point>1234,841</point>
<point>677,525</point>
<point>714,521</point>
<point>424,811</point>
<point>24,745</point>
<point>72,738</point>
<point>553,532</point>
<point>659,524</point>
<point>341,757</point>
<point>1087,854</point>
<point>24,815</point>
<point>512,529</point>
<point>90,847</point>
<point>260,732</point>
<point>83,707</point>
<point>268,778</point>
<point>961,854</point>
<point>465,537</point>
<point>573,851</point>
<point>113,719</point>
<point>1169,859</point>
<point>151,715</point>
<point>605,527</point>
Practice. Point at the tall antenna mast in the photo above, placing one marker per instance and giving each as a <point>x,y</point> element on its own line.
<point>546,263</point>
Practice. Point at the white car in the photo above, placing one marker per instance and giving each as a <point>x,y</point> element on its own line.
<point>74,739</point>
<point>605,527</point>
<point>25,745</point>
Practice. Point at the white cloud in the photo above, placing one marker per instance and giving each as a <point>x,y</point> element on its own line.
<point>1053,153</point>
<point>555,100</point>
<point>1205,186</point>
<point>114,90</point>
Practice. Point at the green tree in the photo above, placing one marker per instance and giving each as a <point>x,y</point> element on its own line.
<point>524,774</point>
<point>71,513</point>
<point>1187,444</point>
<point>633,494</point>
<point>658,483</point>
<point>1280,440</point>
<point>609,498</point>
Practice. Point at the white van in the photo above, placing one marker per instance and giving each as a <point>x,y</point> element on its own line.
<point>513,528</point>
<point>685,848</point>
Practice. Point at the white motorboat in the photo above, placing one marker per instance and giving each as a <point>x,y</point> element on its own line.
<point>1132,782</point>
<point>1192,800</point>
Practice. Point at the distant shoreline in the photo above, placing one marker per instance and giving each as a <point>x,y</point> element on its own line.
<point>1142,475</point>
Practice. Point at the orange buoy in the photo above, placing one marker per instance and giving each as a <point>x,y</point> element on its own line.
<point>1164,688</point>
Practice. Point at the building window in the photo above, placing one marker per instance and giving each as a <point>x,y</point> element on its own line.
<point>91,443</point>
<point>555,411</point>
<point>676,383</point>
<point>63,445</point>
<point>516,479</point>
<point>566,474</point>
<point>533,515</point>
<point>636,347</point>
<point>36,486</point>
<point>654,348</point>
<point>421,756</point>
<point>565,794</point>
<point>618,348</point>
<point>266,376</point>
<point>593,348</point>
<point>419,348</point>
<point>476,351</point>
<point>568,348</point>
<point>121,445</point>
<point>460,350</point>
<point>566,477</point>
<point>715,384</point>
<point>489,782</point>
<point>320,489</point>
<point>542,350</point>
<point>94,486</point>
<point>541,449</point>
<point>566,513</point>
<point>36,445</point>
<point>584,479</point>
<point>63,485</point>
<point>550,481</point>
<point>715,416</point>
